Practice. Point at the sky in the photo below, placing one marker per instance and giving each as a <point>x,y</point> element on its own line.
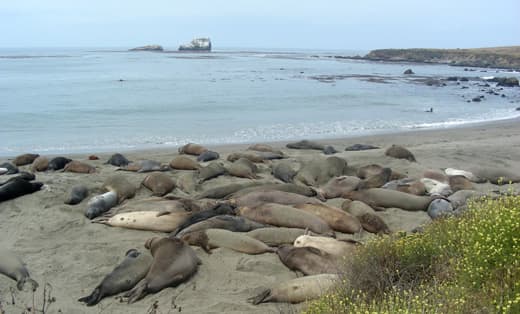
<point>315,24</point>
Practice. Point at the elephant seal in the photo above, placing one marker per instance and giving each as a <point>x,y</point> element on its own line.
<point>159,183</point>
<point>440,208</point>
<point>27,176</point>
<point>286,216</point>
<point>319,171</point>
<point>435,175</point>
<point>284,187</point>
<point>399,152</point>
<point>275,236</point>
<point>77,194</point>
<point>332,246</point>
<point>254,156</point>
<point>337,219</point>
<point>208,156</point>
<point>298,290</point>
<point>184,163</point>
<point>329,150</point>
<point>162,221</point>
<point>434,187</point>
<point>192,149</point>
<point>308,260</point>
<point>122,278</point>
<point>40,164</point>
<point>457,172</point>
<point>376,180</point>
<point>227,222</point>
<point>243,168</point>
<point>25,159</point>
<point>173,263</point>
<point>219,209</point>
<point>13,267</point>
<point>211,171</point>
<point>213,238</point>
<point>120,185</point>
<point>412,187</point>
<point>336,186</point>
<point>366,215</point>
<point>145,166</point>
<point>118,160</point>
<point>58,163</point>
<point>383,198</point>
<point>273,196</point>
<point>360,147</point>
<point>225,190</point>
<point>79,167</point>
<point>100,204</point>
<point>16,187</point>
<point>3,171</point>
<point>11,169</point>
<point>367,171</point>
<point>461,197</point>
<point>264,148</point>
<point>458,183</point>
<point>496,175</point>
<point>283,171</point>
<point>305,144</point>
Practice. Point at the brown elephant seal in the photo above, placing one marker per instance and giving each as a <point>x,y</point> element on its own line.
<point>399,152</point>
<point>117,160</point>
<point>496,175</point>
<point>320,171</point>
<point>376,180</point>
<point>407,185</point>
<point>383,198</point>
<point>79,167</point>
<point>367,171</point>
<point>40,164</point>
<point>299,289</point>
<point>331,246</point>
<point>145,166</point>
<point>215,238</point>
<point>337,219</point>
<point>58,163</point>
<point>100,204</point>
<point>366,215</point>
<point>264,148</point>
<point>220,192</point>
<point>119,184</point>
<point>159,183</point>
<point>192,149</point>
<point>122,278</point>
<point>227,222</point>
<point>275,236</point>
<point>13,267</point>
<point>273,196</point>
<point>338,185</point>
<point>458,183</point>
<point>208,155</point>
<point>211,171</point>
<point>16,187</point>
<point>435,175</point>
<point>305,144</point>
<point>77,194</point>
<point>255,156</point>
<point>243,168</point>
<point>286,216</point>
<point>173,263</point>
<point>219,209</point>
<point>184,163</point>
<point>308,260</point>
<point>25,159</point>
<point>283,171</point>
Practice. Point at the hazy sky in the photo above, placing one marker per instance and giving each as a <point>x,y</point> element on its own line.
<point>315,24</point>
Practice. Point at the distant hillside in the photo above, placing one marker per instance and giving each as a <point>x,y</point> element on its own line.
<point>498,57</point>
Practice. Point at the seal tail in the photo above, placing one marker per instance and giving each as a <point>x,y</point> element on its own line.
<point>138,292</point>
<point>93,298</point>
<point>264,296</point>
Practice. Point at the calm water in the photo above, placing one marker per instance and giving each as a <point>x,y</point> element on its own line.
<point>72,100</point>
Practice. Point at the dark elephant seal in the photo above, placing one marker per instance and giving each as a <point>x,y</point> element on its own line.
<point>11,169</point>
<point>18,187</point>
<point>243,168</point>
<point>383,198</point>
<point>305,144</point>
<point>79,167</point>
<point>13,267</point>
<point>25,159</point>
<point>119,184</point>
<point>27,176</point>
<point>117,160</point>
<point>40,164</point>
<point>377,180</point>
<point>359,147</point>
<point>458,183</point>
<point>100,204</point>
<point>173,263</point>
<point>184,163</point>
<point>399,152</point>
<point>264,148</point>
<point>308,260</point>
<point>145,166</point>
<point>329,150</point>
<point>366,215</point>
<point>283,171</point>
<point>320,171</point>
<point>298,290</point>
<point>208,156</point>
<point>159,183</point>
<point>211,171</point>
<point>122,278</point>
<point>219,209</point>
<point>77,194</point>
<point>227,222</point>
<point>58,163</point>
<point>213,238</point>
<point>440,208</point>
<point>192,149</point>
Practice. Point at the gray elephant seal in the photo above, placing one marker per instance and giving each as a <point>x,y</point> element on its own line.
<point>77,194</point>
<point>272,196</point>
<point>159,183</point>
<point>243,168</point>
<point>17,187</point>
<point>255,156</point>
<point>329,150</point>
<point>320,171</point>
<point>192,149</point>
<point>11,169</point>
<point>264,148</point>
<point>120,185</point>
<point>123,278</point>
<point>283,171</point>
<point>25,159</point>
<point>100,204</point>
<point>399,152</point>
<point>184,163</point>
<point>58,163</point>
<point>214,238</point>
<point>145,166</point>
<point>376,180</point>
<point>338,185</point>
<point>13,267</point>
<point>227,222</point>
<point>211,171</point>
<point>117,160</point>
<point>497,175</point>
<point>225,190</point>
<point>359,147</point>
<point>383,198</point>
<point>208,156</point>
<point>308,260</point>
<point>305,144</point>
<point>40,164</point>
<point>219,209</point>
<point>284,187</point>
<point>173,262</point>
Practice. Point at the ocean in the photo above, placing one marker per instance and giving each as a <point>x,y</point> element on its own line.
<point>59,101</point>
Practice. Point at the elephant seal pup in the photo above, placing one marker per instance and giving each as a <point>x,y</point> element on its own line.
<point>377,180</point>
<point>366,216</point>
<point>298,290</point>
<point>117,160</point>
<point>79,167</point>
<point>283,171</point>
<point>496,175</point>
<point>122,278</point>
<point>25,159</point>
<point>286,216</point>
<point>16,187</point>
<point>40,164</point>
<point>458,183</point>
<point>211,171</point>
<point>219,209</point>
<point>305,144</point>
<point>227,222</point>
<point>120,185</point>
<point>332,246</point>
<point>58,163</point>
<point>162,221</point>
<point>434,187</point>
<point>243,168</point>
<point>184,163</point>
<point>77,194</point>
<point>173,262</point>
<point>213,238</point>
<point>360,147</point>
<point>159,183</point>
<point>273,196</point>
<point>399,152</point>
<point>145,166</point>
<point>13,267</point>
<point>383,198</point>
<point>337,219</point>
<point>308,260</point>
<point>11,169</point>
<point>264,148</point>
<point>337,186</point>
<point>208,156</point>
<point>192,149</point>
<point>440,208</point>
<point>275,236</point>
<point>317,172</point>
<point>100,204</point>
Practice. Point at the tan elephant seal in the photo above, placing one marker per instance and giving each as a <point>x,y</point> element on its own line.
<point>337,248</point>
<point>159,183</point>
<point>215,238</point>
<point>383,198</point>
<point>319,171</point>
<point>119,184</point>
<point>366,215</point>
<point>259,197</point>
<point>275,236</point>
<point>173,263</point>
<point>283,171</point>
<point>264,148</point>
<point>337,219</point>
<point>458,183</point>
<point>79,167</point>
<point>376,180</point>
<point>13,267</point>
<point>25,159</point>
<point>399,152</point>
<point>184,163</point>
<point>336,186</point>
<point>367,171</point>
<point>211,171</point>
<point>435,175</point>
<point>40,164</point>
<point>192,149</point>
<point>243,168</point>
<point>414,187</point>
<point>308,260</point>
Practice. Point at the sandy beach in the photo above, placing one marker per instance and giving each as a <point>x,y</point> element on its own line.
<point>62,248</point>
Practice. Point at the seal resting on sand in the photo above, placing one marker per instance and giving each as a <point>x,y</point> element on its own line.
<point>208,156</point>
<point>184,163</point>
<point>13,267</point>
<point>397,151</point>
<point>58,163</point>
<point>332,246</point>
<point>383,198</point>
<point>308,260</point>
<point>79,167</point>
<point>40,164</point>
<point>159,183</point>
<point>120,185</point>
<point>192,149</point>
<point>25,159</point>
<point>117,160</point>
<point>77,194</point>
<point>213,238</point>
<point>243,168</point>
<point>16,187</point>
<point>283,171</point>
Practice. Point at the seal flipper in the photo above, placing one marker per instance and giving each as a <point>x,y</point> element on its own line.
<point>21,283</point>
<point>138,292</point>
<point>93,298</point>
<point>264,296</point>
